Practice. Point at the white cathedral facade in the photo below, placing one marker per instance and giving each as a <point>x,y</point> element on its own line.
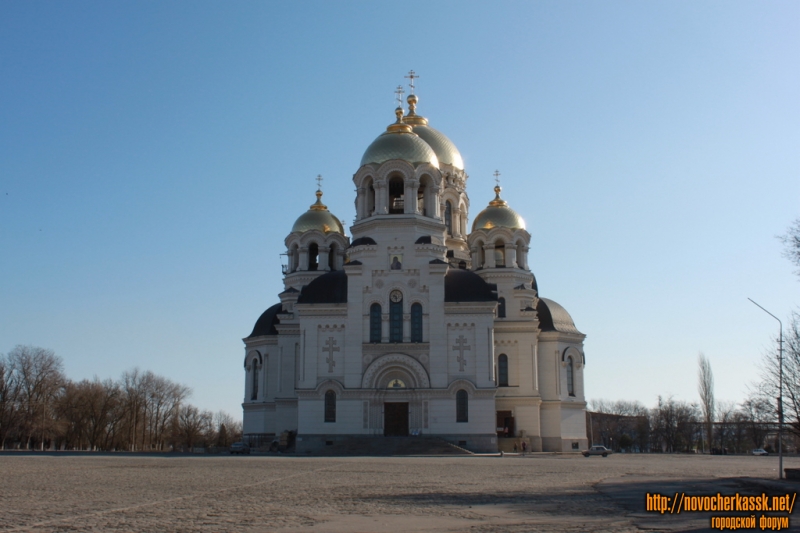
<point>418,325</point>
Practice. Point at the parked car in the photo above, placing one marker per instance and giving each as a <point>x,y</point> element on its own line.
<point>760,451</point>
<point>240,448</point>
<point>597,450</point>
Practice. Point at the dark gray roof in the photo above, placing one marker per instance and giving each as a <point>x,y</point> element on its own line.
<point>466,286</point>
<point>290,290</point>
<point>330,288</point>
<point>265,325</point>
<point>437,262</point>
<point>425,239</point>
<point>553,317</point>
<point>362,240</point>
<point>354,262</point>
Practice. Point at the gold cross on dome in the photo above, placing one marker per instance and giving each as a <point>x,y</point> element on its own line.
<point>319,182</point>
<point>399,92</point>
<point>411,76</point>
<point>497,177</point>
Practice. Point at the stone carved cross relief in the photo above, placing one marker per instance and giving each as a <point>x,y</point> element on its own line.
<point>461,346</point>
<point>330,347</point>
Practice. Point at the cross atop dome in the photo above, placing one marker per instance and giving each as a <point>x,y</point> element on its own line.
<point>399,92</point>
<point>411,76</point>
<point>496,177</point>
<point>319,182</point>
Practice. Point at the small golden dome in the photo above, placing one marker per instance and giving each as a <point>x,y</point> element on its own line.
<point>498,215</point>
<point>399,142</point>
<point>444,148</point>
<point>318,217</point>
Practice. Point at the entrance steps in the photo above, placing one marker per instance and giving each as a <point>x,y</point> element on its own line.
<point>385,446</point>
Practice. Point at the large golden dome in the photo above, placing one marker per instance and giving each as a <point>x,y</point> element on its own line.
<point>318,217</point>
<point>444,148</point>
<point>498,215</point>
<point>399,142</point>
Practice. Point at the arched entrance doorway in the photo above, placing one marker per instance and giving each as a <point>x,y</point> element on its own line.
<point>396,377</point>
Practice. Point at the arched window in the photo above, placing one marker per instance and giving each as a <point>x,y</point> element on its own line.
<point>462,406</point>
<point>502,370</point>
<point>313,256</point>
<point>416,323</point>
<point>375,323</point>
<point>448,217</point>
<point>254,389</point>
<point>499,254</point>
<point>396,193</point>
<point>332,257</point>
<point>501,308</point>
<point>330,406</point>
<point>462,265</point>
<point>396,317</point>
<point>570,377</point>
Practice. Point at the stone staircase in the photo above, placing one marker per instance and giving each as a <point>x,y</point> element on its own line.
<point>388,446</point>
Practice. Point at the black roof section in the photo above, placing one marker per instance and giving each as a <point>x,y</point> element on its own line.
<point>265,325</point>
<point>425,239</point>
<point>553,317</point>
<point>466,286</point>
<point>362,241</point>
<point>354,262</point>
<point>330,288</point>
<point>437,262</point>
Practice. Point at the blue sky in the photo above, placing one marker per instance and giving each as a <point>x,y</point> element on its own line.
<point>154,155</point>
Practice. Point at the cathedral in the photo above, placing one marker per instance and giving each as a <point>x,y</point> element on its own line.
<point>417,324</point>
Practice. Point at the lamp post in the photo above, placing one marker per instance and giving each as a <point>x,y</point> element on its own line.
<point>780,391</point>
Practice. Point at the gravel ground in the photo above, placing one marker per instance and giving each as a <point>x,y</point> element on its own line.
<point>514,494</point>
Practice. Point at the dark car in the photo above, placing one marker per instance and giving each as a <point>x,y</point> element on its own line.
<point>597,450</point>
<point>240,447</point>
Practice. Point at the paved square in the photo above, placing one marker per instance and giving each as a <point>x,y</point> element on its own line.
<point>56,493</point>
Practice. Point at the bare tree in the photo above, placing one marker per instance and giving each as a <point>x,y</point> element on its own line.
<point>224,424</point>
<point>705,387</point>
<point>40,375</point>
<point>10,412</point>
<point>768,388</point>
<point>673,425</point>
<point>193,425</point>
<point>760,414</point>
<point>791,244</point>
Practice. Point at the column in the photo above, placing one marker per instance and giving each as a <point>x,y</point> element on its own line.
<point>489,254</point>
<point>303,258</point>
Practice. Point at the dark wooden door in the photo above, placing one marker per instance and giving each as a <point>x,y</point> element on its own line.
<point>395,419</point>
<point>505,420</point>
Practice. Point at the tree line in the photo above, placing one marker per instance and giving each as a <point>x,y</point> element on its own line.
<point>40,408</point>
<point>679,426</point>
<point>676,426</point>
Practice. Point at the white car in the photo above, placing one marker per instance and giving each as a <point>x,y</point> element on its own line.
<point>597,450</point>
<point>760,451</point>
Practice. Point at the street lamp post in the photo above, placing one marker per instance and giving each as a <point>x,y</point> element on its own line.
<point>780,391</point>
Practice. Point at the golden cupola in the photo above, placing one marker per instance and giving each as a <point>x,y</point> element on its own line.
<point>318,217</point>
<point>399,142</point>
<point>444,148</point>
<point>498,215</point>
